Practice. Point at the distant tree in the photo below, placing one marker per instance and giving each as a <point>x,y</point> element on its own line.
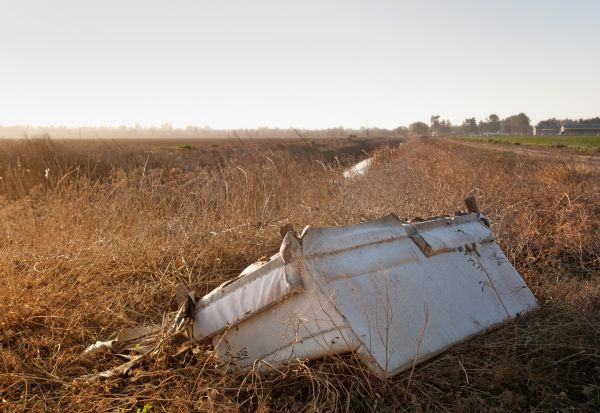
<point>557,123</point>
<point>589,121</point>
<point>469,126</point>
<point>434,127</point>
<point>338,131</point>
<point>401,131</point>
<point>444,128</point>
<point>456,130</point>
<point>483,127</point>
<point>439,127</point>
<point>491,125</point>
<point>494,123</point>
<point>552,123</point>
<point>516,124</point>
<point>418,128</point>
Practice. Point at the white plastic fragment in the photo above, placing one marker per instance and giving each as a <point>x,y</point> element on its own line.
<point>141,342</point>
<point>99,346</point>
<point>358,169</point>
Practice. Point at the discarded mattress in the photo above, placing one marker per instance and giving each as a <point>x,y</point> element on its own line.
<point>395,293</point>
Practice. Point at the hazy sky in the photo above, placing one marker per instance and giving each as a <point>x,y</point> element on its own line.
<point>311,64</point>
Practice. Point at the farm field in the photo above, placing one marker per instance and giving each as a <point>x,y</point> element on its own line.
<point>94,236</point>
<point>587,144</point>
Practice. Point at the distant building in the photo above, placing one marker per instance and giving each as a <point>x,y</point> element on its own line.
<point>551,131</point>
<point>580,129</point>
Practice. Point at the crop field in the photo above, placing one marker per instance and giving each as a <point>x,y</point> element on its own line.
<point>95,235</point>
<point>587,144</point>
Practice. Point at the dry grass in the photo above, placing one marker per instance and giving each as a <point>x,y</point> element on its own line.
<point>100,244</point>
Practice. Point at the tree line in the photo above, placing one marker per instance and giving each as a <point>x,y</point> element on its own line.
<point>519,124</point>
<point>554,123</point>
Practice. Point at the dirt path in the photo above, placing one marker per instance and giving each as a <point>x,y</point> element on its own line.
<point>538,153</point>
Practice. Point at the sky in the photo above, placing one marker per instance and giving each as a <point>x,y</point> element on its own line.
<point>304,64</point>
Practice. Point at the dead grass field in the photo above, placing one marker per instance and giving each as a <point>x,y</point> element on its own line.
<point>99,243</point>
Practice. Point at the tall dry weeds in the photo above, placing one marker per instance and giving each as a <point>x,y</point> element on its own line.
<point>100,244</point>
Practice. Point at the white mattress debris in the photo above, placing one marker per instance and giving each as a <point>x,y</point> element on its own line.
<point>393,292</point>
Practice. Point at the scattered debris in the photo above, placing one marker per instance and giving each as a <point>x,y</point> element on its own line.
<point>147,341</point>
<point>394,292</point>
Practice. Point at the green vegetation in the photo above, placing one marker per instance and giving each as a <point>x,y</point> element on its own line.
<point>580,143</point>
<point>185,147</point>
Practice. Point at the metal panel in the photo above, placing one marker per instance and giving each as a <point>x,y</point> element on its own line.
<point>394,292</point>
<point>230,304</point>
<point>302,327</point>
<point>404,304</point>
